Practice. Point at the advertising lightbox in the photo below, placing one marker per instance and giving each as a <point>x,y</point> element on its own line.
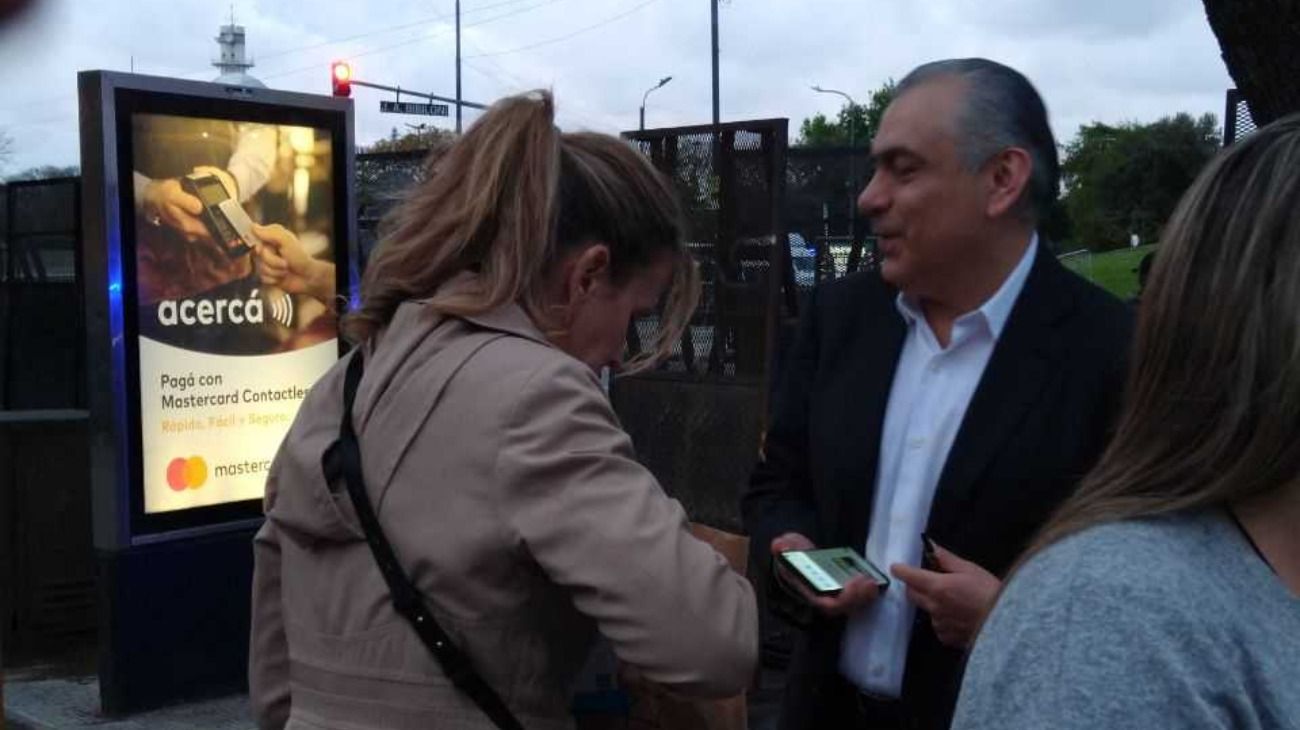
<point>219,244</point>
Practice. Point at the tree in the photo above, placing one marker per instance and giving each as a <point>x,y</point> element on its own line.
<point>1257,38</point>
<point>818,131</point>
<point>380,180</point>
<point>422,137</point>
<point>1127,179</point>
<point>6,149</point>
<point>45,172</point>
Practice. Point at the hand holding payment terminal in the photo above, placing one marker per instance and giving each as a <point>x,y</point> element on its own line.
<point>223,216</point>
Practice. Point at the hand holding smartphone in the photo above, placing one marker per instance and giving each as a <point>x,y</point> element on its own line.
<point>858,592</point>
<point>825,572</point>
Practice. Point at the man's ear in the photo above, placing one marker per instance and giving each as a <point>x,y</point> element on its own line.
<point>586,269</point>
<point>1008,174</point>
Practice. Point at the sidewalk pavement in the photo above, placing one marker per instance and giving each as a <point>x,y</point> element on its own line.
<point>37,700</point>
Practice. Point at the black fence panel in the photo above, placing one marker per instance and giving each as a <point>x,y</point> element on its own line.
<point>731,180</point>
<point>1237,119</point>
<point>828,236</point>
<point>47,561</point>
<point>382,179</point>
<point>41,316</point>
<point>697,420</point>
<point>700,439</point>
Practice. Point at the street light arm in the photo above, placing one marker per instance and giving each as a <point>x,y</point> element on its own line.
<point>660,85</point>
<point>820,90</point>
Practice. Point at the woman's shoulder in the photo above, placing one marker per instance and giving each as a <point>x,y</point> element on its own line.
<point>505,376</point>
<point>1169,599</point>
<point>1135,545</point>
<point>498,351</point>
<point>1143,567</point>
<point>523,363</point>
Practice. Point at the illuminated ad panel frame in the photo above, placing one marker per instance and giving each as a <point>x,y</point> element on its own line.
<point>203,336</point>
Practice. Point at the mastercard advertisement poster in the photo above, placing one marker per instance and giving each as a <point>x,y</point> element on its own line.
<point>235,298</point>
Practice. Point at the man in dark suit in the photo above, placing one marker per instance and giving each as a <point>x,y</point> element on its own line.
<point>961,392</point>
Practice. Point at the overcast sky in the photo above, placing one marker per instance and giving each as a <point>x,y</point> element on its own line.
<point>1093,60</point>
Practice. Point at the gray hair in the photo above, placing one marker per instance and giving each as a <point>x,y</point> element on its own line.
<point>1002,109</point>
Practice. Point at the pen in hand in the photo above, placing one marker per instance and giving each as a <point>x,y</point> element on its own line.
<point>929,560</point>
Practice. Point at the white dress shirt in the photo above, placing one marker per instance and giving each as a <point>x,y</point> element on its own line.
<point>932,388</point>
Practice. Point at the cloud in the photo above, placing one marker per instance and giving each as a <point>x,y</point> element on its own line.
<point>1107,60</point>
<point>1095,20</point>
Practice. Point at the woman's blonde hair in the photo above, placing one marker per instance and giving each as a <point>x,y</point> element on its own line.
<point>506,201</point>
<point>1212,410</point>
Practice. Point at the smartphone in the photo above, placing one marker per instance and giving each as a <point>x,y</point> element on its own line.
<point>222,215</point>
<point>826,571</point>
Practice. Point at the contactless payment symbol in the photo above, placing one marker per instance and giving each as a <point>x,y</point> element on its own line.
<point>188,473</point>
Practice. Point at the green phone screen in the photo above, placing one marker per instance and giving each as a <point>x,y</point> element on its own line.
<point>827,570</point>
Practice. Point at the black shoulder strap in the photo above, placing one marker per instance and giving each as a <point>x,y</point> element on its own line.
<point>345,456</point>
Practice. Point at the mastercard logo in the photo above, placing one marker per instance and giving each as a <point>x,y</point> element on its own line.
<point>188,473</point>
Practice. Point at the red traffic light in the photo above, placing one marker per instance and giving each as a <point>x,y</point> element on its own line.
<point>341,75</point>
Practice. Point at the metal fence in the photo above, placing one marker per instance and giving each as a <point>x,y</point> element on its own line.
<point>46,559</point>
<point>1237,119</point>
<point>730,180</point>
<point>828,236</point>
<point>697,421</point>
<point>41,317</point>
<point>382,178</point>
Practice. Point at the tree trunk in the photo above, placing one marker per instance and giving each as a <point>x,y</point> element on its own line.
<point>1258,41</point>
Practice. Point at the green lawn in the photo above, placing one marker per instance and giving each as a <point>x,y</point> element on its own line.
<point>1114,271</point>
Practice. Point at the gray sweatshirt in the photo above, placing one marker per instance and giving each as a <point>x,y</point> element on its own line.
<point>1173,622</point>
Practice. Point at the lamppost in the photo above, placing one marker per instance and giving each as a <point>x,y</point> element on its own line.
<point>853,158</point>
<point>713,10</point>
<point>662,81</point>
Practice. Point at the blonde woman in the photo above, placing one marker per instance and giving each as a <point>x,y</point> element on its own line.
<point>491,456</point>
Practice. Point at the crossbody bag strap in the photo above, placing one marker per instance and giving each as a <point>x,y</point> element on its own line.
<point>344,457</point>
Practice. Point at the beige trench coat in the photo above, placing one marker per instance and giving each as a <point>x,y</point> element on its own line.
<point>512,498</point>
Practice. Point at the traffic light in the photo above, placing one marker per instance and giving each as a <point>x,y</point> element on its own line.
<point>341,75</point>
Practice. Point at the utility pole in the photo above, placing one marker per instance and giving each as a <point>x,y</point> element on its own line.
<point>458,101</point>
<point>714,6</point>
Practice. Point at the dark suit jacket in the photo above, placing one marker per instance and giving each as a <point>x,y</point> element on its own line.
<point>1037,421</point>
